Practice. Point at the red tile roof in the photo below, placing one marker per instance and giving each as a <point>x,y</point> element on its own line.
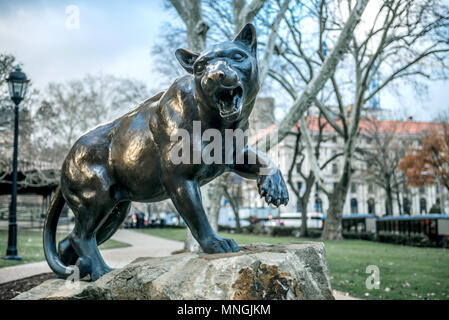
<point>382,126</point>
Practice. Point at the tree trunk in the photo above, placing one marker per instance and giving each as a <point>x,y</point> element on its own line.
<point>235,209</point>
<point>389,200</point>
<point>304,201</point>
<point>303,205</point>
<point>238,228</point>
<point>398,198</point>
<point>332,226</point>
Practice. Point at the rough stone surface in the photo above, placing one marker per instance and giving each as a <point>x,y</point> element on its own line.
<point>258,271</point>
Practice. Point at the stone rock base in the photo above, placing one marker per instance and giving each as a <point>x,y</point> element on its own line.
<point>293,271</point>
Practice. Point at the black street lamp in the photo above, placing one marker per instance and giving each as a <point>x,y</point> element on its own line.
<point>17,84</point>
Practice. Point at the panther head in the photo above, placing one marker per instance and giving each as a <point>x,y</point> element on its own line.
<point>226,76</point>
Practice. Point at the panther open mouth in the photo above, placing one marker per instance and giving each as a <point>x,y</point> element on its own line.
<point>229,100</point>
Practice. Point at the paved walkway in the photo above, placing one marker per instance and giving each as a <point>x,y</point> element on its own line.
<point>143,245</point>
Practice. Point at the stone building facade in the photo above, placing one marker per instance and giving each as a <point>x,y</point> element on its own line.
<point>363,196</point>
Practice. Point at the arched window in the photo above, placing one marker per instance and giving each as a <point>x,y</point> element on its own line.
<point>354,206</point>
<point>422,205</point>
<point>371,206</point>
<point>407,206</point>
<point>334,168</point>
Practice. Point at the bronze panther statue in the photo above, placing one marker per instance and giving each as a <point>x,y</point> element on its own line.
<point>130,158</point>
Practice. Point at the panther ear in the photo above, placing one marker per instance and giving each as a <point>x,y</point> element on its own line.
<point>248,37</point>
<point>186,58</point>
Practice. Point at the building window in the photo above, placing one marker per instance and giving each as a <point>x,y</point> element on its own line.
<point>407,206</point>
<point>422,189</point>
<point>370,188</point>
<point>334,168</point>
<point>422,206</point>
<point>371,206</point>
<point>298,167</point>
<point>334,139</point>
<point>354,206</point>
<point>353,187</point>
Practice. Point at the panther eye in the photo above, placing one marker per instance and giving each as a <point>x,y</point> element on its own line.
<point>199,68</point>
<point>237,56</point>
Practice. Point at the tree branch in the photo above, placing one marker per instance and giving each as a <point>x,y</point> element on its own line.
<point>327,70</point>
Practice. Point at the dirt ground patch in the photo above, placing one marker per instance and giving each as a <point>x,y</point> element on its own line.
<point>11,289</point>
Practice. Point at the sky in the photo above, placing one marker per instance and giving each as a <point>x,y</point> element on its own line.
<point>115,37</point>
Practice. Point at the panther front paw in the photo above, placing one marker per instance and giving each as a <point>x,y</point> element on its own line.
<point>217,244</point>
<point>273,188</point>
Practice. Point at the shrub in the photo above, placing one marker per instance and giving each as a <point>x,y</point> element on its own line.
<point>419,240</point>
<point>360,235</point>
<point>445,243</point>
<point>435,209</point>
<point>225,228</point>
<point>314,233</point>
<point>282,231</point>
<point>249,228</point>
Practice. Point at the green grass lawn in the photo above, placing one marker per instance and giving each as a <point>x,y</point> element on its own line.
<point>405,272</point>
<point>29,247</point>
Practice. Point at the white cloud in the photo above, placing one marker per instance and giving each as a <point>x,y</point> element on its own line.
<point>113,38</point>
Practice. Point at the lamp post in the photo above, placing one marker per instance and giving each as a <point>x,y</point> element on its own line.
<point>17,84</point>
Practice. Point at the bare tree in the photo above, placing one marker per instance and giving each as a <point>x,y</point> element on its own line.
<point>404,40</point>
<point>191,13</point>
<point>69,109</point>
<point>392,49</point>
<point>305,172</point>
<point>318,79</point>
<point>384,145</point>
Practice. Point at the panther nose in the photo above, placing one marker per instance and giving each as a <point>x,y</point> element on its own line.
<point>217,76</point>
<point>224,78</point>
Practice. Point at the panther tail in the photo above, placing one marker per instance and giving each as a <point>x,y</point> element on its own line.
<point>50,225</point>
